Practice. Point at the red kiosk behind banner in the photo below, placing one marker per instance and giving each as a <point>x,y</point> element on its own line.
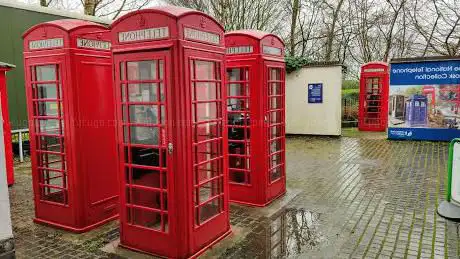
<point>68,69</point>
<point>256,116</point>
<point>4,67</point>
<point>169,68</point>
<point>373,97</point>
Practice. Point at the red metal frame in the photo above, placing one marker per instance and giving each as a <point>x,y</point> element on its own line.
<point>256,86</point>
<point>373,97</point>
<point>6,126</point>
<point>72,129</point>
<point>182,202</point>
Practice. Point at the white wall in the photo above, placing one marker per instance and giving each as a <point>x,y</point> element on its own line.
<point>314,118</point>
<point>5,216</point>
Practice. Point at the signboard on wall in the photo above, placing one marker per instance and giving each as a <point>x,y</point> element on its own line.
<point>315,93</point>
<point>424,101</point>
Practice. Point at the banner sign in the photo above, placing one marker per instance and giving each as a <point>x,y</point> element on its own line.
<point>434,72</point>
<point>424,101</point>
<point>315,93</point>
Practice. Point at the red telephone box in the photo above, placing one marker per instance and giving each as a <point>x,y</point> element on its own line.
<point>4,67</point>
<point>256,116</point>
<point>68,69</point>
<point>373,97</point>
<point>169,69</point>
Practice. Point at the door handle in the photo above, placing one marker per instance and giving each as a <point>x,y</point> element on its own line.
<point>170,148</point>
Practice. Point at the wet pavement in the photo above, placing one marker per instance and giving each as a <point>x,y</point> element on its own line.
<point>358,196</point>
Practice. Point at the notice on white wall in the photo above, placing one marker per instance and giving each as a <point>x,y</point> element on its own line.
<point>5,216</point>
<point>455,189</point>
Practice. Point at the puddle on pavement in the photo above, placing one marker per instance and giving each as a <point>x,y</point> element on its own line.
<point>289,233</point>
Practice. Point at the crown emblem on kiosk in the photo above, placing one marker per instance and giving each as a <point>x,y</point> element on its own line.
<point>142,21</point>
<point>203,22</point>
<point>272,41</point>
<point>44,33</point>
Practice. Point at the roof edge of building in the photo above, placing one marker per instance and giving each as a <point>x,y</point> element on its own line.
<point>49,10</point>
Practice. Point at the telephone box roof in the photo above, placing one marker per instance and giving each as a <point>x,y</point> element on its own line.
<point>6,65</point>
<point>169,10</point>
<point>256,34</point>
<point>375,63</point>
<point>64,24</point>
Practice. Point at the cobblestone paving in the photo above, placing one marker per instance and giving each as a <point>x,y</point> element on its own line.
<point>361,196</point>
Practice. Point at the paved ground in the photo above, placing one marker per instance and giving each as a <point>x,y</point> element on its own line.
<point>359,196</point>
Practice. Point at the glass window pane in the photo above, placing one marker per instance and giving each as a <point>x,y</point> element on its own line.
<point>205,111</point>
<point>235,74</point>
<point>205,91</point>
<point>205,70</point>
<point>45,73</point>
<point>208,150</point>
<point>238,177</point>
<point>50,143</point>
<point>144,218</point>
<point>145,198</point>
<point>235,104</point>
<point>49,126</point>
<point>210,209</point>
<point>122,71</point>
<point>147,156</point>
<point>53,194</point>
<point>275,102</point>
<point>148,178</point>
<point>142,70</point>
<point>238,148</point>
<point>208,170</point>
<point>209,190</point>
<point>275,146</point>
<point>47,108</point>
<point>275,160</point>
<point>143,92</point>
<point>143,114</point>
<point>275,74</point>
<point>143,135</point>
<point>46,91</point>
<point>207,131</point>
<point>275,174</point>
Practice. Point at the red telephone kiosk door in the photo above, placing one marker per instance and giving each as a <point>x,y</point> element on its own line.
<point>68,74</point>
<point>256,128</point>
<point>373,97</point>
<point>170,98</point>
<point>4,67</point>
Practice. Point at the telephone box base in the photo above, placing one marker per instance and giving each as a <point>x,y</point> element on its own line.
<point>72,229</point>
<point>449,210</point>
<point>195,255</point>
<point>258,204</point>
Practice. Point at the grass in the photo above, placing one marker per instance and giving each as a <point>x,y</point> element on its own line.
<point>350,91</point>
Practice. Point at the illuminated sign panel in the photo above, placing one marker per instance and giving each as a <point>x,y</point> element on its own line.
<point>93,44</point>
<point>193,34</point>
<point>46,44</point>
<point>240,50</point>
<point>146,34</point>
<point>272,50</point>
<point>370,70</point>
